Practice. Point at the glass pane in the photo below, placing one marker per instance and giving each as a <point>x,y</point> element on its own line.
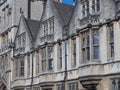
<point>88,53</point>
<point>111,36</point>
<point>88,41</point>
<point>83,13</point>
<point>83,52</point>
<point>87,12</point>
<point>83,10</point>
<point>119,84</point>
<point>58,88</point>
<point>74,59</point>
<point>50,53</point>
<point>98,5</point>
<point>73,87</point>
<point>52,26</point>
<point>22,68</point>
<point>60,62</point>
<point>112,49</point>
<point>113,85</point>
<point>23,39</point>
<point>93,9</point>
<point>61,50</point>
<point>76,86</point>
<point>96,52</point>
<point>83,7</point>
<point>74,44</point>
<point>83,45</point>
<point>50,64</point>
<point>42,65</point>
<point>95,39</point>
<point>87,9</point>
<point>70,87</point>
<point>93,2</point>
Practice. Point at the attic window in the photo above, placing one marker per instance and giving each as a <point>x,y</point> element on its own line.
<point>48,26</point>
<point>21,40</point>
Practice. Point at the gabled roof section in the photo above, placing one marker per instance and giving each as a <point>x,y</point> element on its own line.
<point>33,26</point>
<point>64,11</point>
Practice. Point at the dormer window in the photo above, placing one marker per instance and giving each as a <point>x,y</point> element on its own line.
<point>90,7</point>
<point>48,27</point>
<point>85,9</point>
<point>95,6</point>
<point>21,39</point>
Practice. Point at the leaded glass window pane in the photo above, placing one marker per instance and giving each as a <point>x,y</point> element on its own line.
<point>96,46</point>
<point>50,64</point>
<point>98,5</point>
<point>119,84</point>
<point>22,68</point>
<point>96,52</point>
<point>113,85</point>
<point>96,39</point>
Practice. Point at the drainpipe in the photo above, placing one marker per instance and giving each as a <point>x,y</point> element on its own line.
<point>65,65</point>
<point>29,9</point>
<point>31,88</point>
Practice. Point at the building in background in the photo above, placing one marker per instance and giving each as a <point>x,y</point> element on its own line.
<point>10,13</point>
<point>62,47</point>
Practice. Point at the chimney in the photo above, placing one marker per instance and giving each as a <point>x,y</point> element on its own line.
<point>29,9</point>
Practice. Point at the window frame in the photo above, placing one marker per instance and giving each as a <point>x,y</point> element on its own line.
<point>73,86</point>
<point>85,8</point>
<point>37,63</point>
<point>59,51</point>
<point>74,57</point>
<point>28,65</point>
<point>85,46</point>
<point>48,26</point>
<point>95,4</point>
<point>50,58</point>
<point>111,55</point>
<point>43,59</point>
<point>21,40</point>
<point>22,67</point>
<point>96,45</point>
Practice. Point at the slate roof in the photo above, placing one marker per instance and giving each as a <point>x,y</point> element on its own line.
<point>65,11</point>
<point>33,26</point>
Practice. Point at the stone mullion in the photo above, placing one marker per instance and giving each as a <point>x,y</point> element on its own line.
<point>80,44</point>
<point>40,59</point>
<point>71,45</point>
<point>91,45</point>
<point>19,69</point>
<point>36,62</point>
<point>108,41</point>
<point>58,56</point>
<point>85,46</point>
<point>116,31</point>
<point>47,60</point>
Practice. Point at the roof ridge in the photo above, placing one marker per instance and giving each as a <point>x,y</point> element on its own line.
<point>33,26</point>
<point>64,11</point>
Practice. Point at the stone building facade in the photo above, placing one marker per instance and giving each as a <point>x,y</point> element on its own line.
<point>66,48</point>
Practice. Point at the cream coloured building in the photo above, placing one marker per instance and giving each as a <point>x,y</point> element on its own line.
<point>69,48</point>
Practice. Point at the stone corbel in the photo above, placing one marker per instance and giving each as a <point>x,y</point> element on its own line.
<point>90,83</point>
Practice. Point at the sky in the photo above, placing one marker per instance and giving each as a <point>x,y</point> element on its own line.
<point>68,2</point>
